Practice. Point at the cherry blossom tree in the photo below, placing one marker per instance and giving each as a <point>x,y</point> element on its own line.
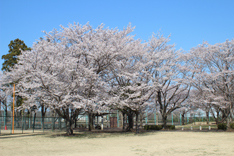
<point>132,93</point>
<point>69,69</point>
<point>170,78</point>
<point>214,77</point>
<point>198,100</point>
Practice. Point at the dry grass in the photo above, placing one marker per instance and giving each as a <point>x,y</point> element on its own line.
<point>115,144</point>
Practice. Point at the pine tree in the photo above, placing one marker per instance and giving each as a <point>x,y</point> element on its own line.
<point>11,58</point>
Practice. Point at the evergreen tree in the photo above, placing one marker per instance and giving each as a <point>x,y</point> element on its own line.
<point>11,58</point>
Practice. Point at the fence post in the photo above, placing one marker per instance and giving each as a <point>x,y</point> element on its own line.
<point>194,119</point>
<point>146,118</point>
<point>180,119</point>
<point>86,119</point>
<point>155,118</point>
<point>60,123</point>
<point>25,123</point>
<point>4,119</point>
<point>34,121</point>
<point>102,124</point>
<point>43,123</point>
<point>117,118</point>
<point>11,124</point>
<point>0,123</point>
<point>107,118</point>
<point>52,124</point>
<point>29,121</point>
<point>172,118</point>
<point>22,124</point>
<point>187,118</point>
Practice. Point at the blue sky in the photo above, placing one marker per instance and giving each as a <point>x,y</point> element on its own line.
<point>189,21</point>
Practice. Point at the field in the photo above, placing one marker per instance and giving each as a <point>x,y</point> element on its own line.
<point>117,144</point>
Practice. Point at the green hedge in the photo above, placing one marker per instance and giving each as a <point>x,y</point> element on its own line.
<point>158,127</point>
<point>171,127</point>
<point>232,125</point>
<point>153,127</point>
<point>222,126</point>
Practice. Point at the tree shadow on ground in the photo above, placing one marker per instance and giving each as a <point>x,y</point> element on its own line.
<point>84,133</point>
<point>18,135</point>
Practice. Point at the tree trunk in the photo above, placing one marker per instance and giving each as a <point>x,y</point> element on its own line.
<point>227,122</point>
<point>54,115</point>
<point>137,127</point>
<point>217,119</point>
<point>141,120</point>
<point>75,123</point>
<point>69,124</point>
<point>34,120</point>
<point>28,115</point>
<point>42,117</point>
<point>124,121</point>
<point>130,121</point>
<point>207,117</point>
<point>69,117</point>
<point>183,118</point>
<point>231,113</point>
<point>0,109</point>
<point>231,117</point>
<point>90,121</point>
<point>5,115</point>
<point>164,118</point>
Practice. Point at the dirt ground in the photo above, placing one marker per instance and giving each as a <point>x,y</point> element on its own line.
<point>162,143</point>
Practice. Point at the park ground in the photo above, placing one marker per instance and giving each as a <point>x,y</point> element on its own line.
<point>158,143</point>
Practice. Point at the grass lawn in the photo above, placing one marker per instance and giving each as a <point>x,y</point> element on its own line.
<point>117,144</point>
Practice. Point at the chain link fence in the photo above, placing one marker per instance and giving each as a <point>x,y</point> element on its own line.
<point>30,124</point>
